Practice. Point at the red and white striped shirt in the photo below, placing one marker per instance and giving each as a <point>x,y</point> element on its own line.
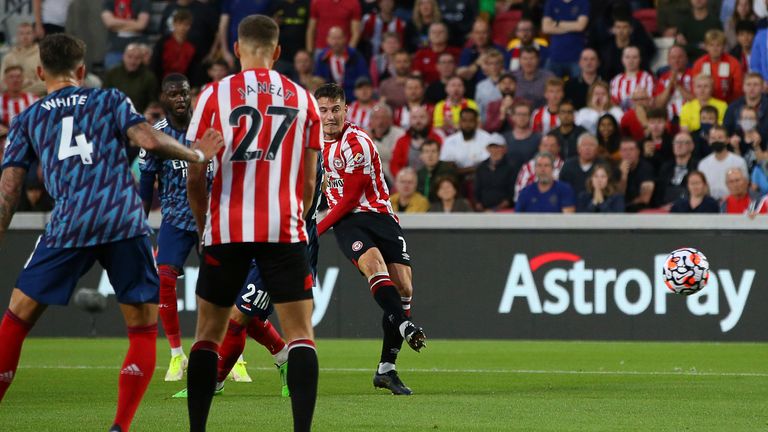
<point>676,101</point>
<point>527,174</point>
<point>354,153</point>
<point>10,107</point>
<point>338,65</point>
<point>622,87</point>
<point>402,115</point>
<point>267,122</point>
<point>359,115</point>
<point>374,27</point>
<point>544,121</point>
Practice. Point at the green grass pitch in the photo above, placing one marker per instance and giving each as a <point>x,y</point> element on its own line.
<point>70,385</point>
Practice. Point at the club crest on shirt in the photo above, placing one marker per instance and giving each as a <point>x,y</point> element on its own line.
<point>338,163</point>
<point>356,246</point>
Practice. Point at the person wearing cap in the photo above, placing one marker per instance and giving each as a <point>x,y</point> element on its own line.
<point>340,63</point>
<point>359,111</point>
<point>494,179</point>
<point>527,175</point>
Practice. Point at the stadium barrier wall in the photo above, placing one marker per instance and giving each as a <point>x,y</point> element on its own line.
<point>595,277</point>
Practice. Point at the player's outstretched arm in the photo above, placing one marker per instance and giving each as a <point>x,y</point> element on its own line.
<point>10,190</point>
<point>310,178</point>
<point>353,189</point>
<point>197,195</point>
<point>167,147</point>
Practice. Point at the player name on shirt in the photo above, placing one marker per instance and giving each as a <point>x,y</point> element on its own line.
<point>266,88</point>
<point>67,101</point>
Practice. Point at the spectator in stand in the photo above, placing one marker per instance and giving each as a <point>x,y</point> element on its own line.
<point>625,84</point>
<point>716,165</point>
<point>702,91</point>
<point>527,174</point>
<point>471,61</point>
<point>433,169</point>
<point>25,53</point>
<point>636,177</point>
<point>498,113</point>
<point>545,118</point>
<point>292,17</point>
<point>359,112</point>
<point>448,199</point>
<point>425,60</point>
<point>459,16</point>
<point>674,86</point>
<point>447,111</point>
<point>133,78</point>
<point>670,183</point>
<point>745,35</point>
<point>154,112</point>
<point>467,147</point>
<point>324,15</point>
<point>724,69</point>
<point>754,98</point>
<point>634,122</point>
<point>202,34</point>
<point>232,12</point>
<point>407,199</point>
<point>577,169</point>
<point>50,16</point>
<point>600,194</point>
<point>740,199</point>
<point>425,13</point>
<point>392,89</point>
<point>35,198</point>
<point>748,141</point>
<point>576,89</point>
<point>598,105</point>
<point>742,13</point>
<point>522,141</point>
<point>378,23</point>
<point>691,30</point>
<point>126,21</point>
<point>340,63</point>
<point>414,98</point>
<point>14,100</point>
<point>407,149</point>
<point>530,79</point>
<point>487,90</point>
<point>698,199</point>
<point>174,53</point>
<point>303,68</point>
<point>495,178</point>
<point>568,132</point>
<point>547,195</point>
<point>657,142</point>
<point>609,137</point>
<point>612,49</point>
<point>525,33</point>
<point>382,65</point>
<point>759,178</point>
<point>384,134</point>
<point>446,68</point>
<point>708,118</point>
<point>565,21</point>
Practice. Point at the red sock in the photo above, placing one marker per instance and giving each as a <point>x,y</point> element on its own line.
<point>12,333</point>
<point>167,308</point>
<point>138,367</point>
<point>231,348</point>
<point>265,333</point>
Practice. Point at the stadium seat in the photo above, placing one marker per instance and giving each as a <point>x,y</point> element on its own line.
<point>503,26</point>
<point>648,18</point>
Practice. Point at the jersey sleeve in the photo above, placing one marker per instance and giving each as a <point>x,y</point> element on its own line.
<point>148,163</point>
<point>202,118</point>
<point>358,155</point>
<point>125,114</point>
<point>18,148</point>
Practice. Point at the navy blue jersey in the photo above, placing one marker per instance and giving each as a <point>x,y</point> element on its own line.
<point>172,181</point>
<point>79,136</point>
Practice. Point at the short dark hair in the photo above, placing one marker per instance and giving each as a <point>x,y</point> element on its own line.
<point>566,102</point>
<point>61,54</point>
<point>529,50</point>
<point>657,113</point>
<point>173,78</point>
<point>331,91</point>
<point>708,109</point>
<point>429,142</point>
<point>182,15</point>
<point>629,139</point>
<point>13,67</point>
<point>470,111</point>
<point>259,30</point>
<point>746,26</point>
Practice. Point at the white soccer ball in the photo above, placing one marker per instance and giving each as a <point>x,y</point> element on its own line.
<point>686,271</point>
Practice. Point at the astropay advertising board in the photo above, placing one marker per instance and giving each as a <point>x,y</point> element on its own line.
<point>514,284</point>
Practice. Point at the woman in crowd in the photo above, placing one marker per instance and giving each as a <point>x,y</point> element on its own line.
<point>608,137</point>
<point>741,12</point>
<point>449,200</point>
<point>598,104</point>
<point>425,12</point>
<point>698,199</point>
<point>601,195</point>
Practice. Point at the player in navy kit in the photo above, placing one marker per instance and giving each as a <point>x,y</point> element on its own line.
<point>80,137</point>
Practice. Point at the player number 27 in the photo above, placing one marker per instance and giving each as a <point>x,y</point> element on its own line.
<point>81,146</point>
<point>244,150</point>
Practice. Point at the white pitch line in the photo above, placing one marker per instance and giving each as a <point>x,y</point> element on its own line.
<point>471,371</point>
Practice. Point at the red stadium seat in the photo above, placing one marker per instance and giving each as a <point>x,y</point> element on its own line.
<point>648,18</point>
<point>503,26</point>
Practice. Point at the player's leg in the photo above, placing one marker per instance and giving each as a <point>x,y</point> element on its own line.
<point>131,270</point>
<point>23,312</point>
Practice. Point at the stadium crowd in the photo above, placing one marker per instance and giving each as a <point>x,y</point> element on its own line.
<point>507,106</point>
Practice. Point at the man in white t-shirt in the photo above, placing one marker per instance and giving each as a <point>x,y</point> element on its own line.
<point>467,147</point>
<point>716,165</point>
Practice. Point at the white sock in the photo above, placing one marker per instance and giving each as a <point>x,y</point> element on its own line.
<point>403,326</point>
<point>240,359</point>
<point>177,351</point>
<point>282,356</point>
<point>385,367</point>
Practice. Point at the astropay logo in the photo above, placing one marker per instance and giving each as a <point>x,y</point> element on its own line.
<point>634,291</point>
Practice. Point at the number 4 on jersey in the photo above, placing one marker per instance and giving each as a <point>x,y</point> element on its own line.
<point>81,146</point>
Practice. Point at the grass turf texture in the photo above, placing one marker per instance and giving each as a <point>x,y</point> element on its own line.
<point>70,385</point>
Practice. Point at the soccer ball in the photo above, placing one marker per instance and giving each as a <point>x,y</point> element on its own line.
<point>686,271</point>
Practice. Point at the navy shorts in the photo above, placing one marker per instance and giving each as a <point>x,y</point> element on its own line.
<point>174,245</point>
<point>51,274</point>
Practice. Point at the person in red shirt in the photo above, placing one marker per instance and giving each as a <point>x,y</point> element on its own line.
<point>724,69</point>
<point>14,100</point>
<point>326,14</point>
<point>174,53</point>
<point>635,120</point>
<point>675,86</point>
<point>425,59</point>
<point>545,118</point>
<point>408,147</point>
<point>739,200</point>
<point>414,98</point>
<point>367,229</point>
